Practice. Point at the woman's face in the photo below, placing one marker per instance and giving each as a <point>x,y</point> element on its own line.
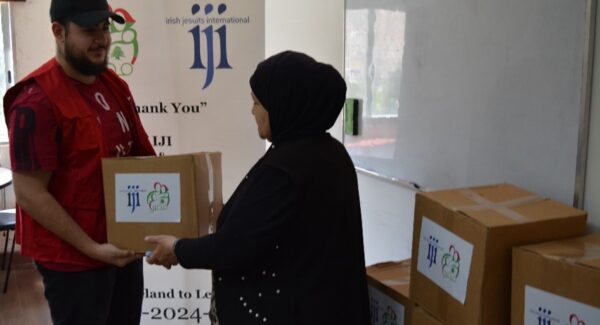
<point>262,119</point>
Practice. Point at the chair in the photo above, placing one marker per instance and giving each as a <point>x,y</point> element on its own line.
<point>7,223</point>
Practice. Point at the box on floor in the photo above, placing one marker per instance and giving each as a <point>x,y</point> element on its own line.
<point>388,291</point>
<point>462,244</point>
<point>557,282</point>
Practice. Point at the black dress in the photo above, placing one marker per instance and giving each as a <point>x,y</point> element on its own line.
<point>289,248</point>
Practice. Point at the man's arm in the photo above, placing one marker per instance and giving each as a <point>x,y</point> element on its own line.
<point>31,191</point>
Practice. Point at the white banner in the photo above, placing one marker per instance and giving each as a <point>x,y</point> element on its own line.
<point>445,259</point>
<point>188,64</point>
<point>545,308</point>
<point>176,296</point>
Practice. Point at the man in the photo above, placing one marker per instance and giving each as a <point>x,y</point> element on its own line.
<point>62,119</point>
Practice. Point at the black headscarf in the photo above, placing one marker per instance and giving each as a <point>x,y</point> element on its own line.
<point>303,97</point>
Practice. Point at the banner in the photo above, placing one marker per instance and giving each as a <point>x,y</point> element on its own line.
<point>188,65</point>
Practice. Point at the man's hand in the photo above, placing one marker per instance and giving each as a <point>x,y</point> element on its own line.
<point>164,252</point>
<point>110,254</point>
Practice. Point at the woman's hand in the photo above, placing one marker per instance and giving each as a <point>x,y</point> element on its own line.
<point>164,252</point>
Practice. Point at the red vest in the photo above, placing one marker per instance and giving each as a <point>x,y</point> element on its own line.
<point>77,182</point>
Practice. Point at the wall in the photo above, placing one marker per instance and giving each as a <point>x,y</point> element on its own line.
<point>315,27</point>
<point>592,188</point>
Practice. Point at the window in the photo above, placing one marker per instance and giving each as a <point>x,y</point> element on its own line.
<point>6,62</point>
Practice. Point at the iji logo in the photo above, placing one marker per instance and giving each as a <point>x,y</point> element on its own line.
<point>451,264</point>
<point>159,198</point>
<point>574,320</point>
<point>374,311</point>
<point>432,249</point>
<point>125,48</point>
<point>208,34</point>
<point>544,317</point>
<point>133,197</point>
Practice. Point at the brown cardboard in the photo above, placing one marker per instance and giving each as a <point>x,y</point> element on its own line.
<point>493,219</point>
<point>422,317</point>
<point>197,215</point>
<point>568,268</point>
<point>392,279</point>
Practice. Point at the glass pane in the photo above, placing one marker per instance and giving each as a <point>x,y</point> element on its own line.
<point>5,62</point>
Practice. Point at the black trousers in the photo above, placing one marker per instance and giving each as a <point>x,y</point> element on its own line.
<point>106,296</point>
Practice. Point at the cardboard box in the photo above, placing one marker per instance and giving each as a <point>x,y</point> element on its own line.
<point>388,291</point>
<point>462,245</point>
<point>177,195</point>
<point>422,317</point>
<point>557,282</point>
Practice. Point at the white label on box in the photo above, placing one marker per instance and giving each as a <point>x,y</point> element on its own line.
<point>545,308</point>
<point>445,259</point>
<point>148,197</point>
<point>384,309</point>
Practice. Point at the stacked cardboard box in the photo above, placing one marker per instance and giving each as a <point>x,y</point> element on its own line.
<point>422,317</point>
<point>388,291</point>
<point>462,244</point>
<point>557,282</point>
<point>176,195</point>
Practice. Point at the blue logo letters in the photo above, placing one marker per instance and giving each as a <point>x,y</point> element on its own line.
<point>432,250</point>
<point>209,32</point>
<point>133,197</point>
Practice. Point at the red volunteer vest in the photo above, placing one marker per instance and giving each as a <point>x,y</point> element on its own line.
<point>77,182</point>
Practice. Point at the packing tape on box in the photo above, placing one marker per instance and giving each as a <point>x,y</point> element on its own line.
<point>397,282</point>
<point>590,252</point>
<point>504,208</point>
<point>211,193</point>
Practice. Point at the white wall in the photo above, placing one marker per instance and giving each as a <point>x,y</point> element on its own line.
<point>592,181</point>
<point>315,27</point>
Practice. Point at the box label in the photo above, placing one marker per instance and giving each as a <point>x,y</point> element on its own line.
<point>384,309</point>
<point>148,197</point>
<point>545,308</point>
<point>445,259</point>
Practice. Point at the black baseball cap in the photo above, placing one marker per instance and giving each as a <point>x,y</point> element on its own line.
<point>85,13</point>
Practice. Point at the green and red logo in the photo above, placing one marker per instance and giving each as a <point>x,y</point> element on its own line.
<point>451,264</point>
<point>125,47</point>
<point>159,198</point>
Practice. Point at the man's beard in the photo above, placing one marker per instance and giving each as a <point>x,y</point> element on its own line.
<point>82,64</point>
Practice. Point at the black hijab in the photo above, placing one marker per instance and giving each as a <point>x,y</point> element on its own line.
<point>303,97</point>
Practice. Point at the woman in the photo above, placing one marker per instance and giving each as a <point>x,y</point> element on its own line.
<point>288,247</point>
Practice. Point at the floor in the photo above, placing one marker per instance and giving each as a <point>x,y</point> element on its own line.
<point>24,302</point>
